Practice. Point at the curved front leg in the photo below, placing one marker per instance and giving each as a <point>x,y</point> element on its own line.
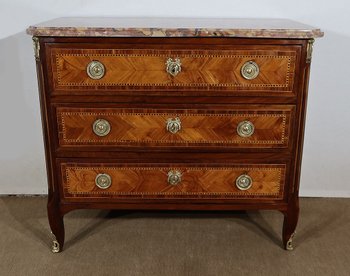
<point>56,225</point>
<point>290,222</point>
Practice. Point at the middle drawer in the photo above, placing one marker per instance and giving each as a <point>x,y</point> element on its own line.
<point>240,126</point>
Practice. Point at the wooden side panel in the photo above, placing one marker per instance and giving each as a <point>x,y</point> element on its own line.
<point>198,127</point>
<point>201,69</point>
<point>150,181</point>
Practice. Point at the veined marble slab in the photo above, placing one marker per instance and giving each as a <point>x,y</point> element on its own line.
<point>174,27</point>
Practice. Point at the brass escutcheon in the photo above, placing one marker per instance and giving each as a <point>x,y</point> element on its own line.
<point>173,125</point>
<point>174,177</point>
<point>173,67</point>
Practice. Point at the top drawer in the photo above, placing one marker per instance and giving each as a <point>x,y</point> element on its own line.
<point>172,70</point>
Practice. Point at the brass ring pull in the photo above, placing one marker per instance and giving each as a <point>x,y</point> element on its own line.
<point>95,70</point>
<point>103,181</point>
<point>173,125</point>
<point>173,67</point>
<point>250,70</point>
<point>245,129</point>
<point>244,182</point>
<point>101,127</point>
<point>174,177</point>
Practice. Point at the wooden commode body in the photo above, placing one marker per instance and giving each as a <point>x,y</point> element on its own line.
<point>160,114</point>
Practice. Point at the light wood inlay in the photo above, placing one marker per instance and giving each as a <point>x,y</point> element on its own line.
<point>198,127</point>
<point>151,181</point>
<point>201,69</point>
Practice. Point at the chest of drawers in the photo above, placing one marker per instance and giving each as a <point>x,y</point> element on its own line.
<point>158,114</point>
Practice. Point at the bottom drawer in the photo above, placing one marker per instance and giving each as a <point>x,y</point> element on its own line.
<point>149,181</point>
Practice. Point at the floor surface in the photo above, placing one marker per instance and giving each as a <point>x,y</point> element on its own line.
<point>175,243</point>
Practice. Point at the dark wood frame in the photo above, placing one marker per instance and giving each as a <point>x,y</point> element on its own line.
<point>58,207</point>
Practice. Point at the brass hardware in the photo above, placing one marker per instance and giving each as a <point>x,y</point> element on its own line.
<point>103,181</point>
<point>245,129</point>
<point>173,67</point>
<point>174,177</point>
<point>250,70</point>
<point>101,127</point>
<point>173,125</point>
<point>55,245</point>
<point>95,70</point>
<point>36,46</point>
<point>244,182</point>
<point>309,49</point>
<point>289,245</point>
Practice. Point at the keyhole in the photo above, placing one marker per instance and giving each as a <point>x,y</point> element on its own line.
<point>174,179</point>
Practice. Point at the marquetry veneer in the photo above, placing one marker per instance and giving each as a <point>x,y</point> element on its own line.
<point>209,128</point>
<point>173,119</point>
<point>210,69</point>
<point>151,181</point>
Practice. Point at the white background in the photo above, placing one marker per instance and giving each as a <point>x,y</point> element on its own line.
<point>326,164</point>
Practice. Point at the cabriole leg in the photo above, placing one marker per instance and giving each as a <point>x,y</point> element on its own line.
<point>289,224</point>
<point>56,225</point>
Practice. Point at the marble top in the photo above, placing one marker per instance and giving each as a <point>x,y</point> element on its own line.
<point>173,27</point>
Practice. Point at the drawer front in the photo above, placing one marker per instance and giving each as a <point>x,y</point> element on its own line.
<point>134,70</point>
<point>251,127</point>
<point>180,181</point>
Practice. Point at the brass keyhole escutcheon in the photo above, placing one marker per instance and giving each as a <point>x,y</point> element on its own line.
<point>173,125</point>
<point>174,177</point>
<point>173,67</point>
